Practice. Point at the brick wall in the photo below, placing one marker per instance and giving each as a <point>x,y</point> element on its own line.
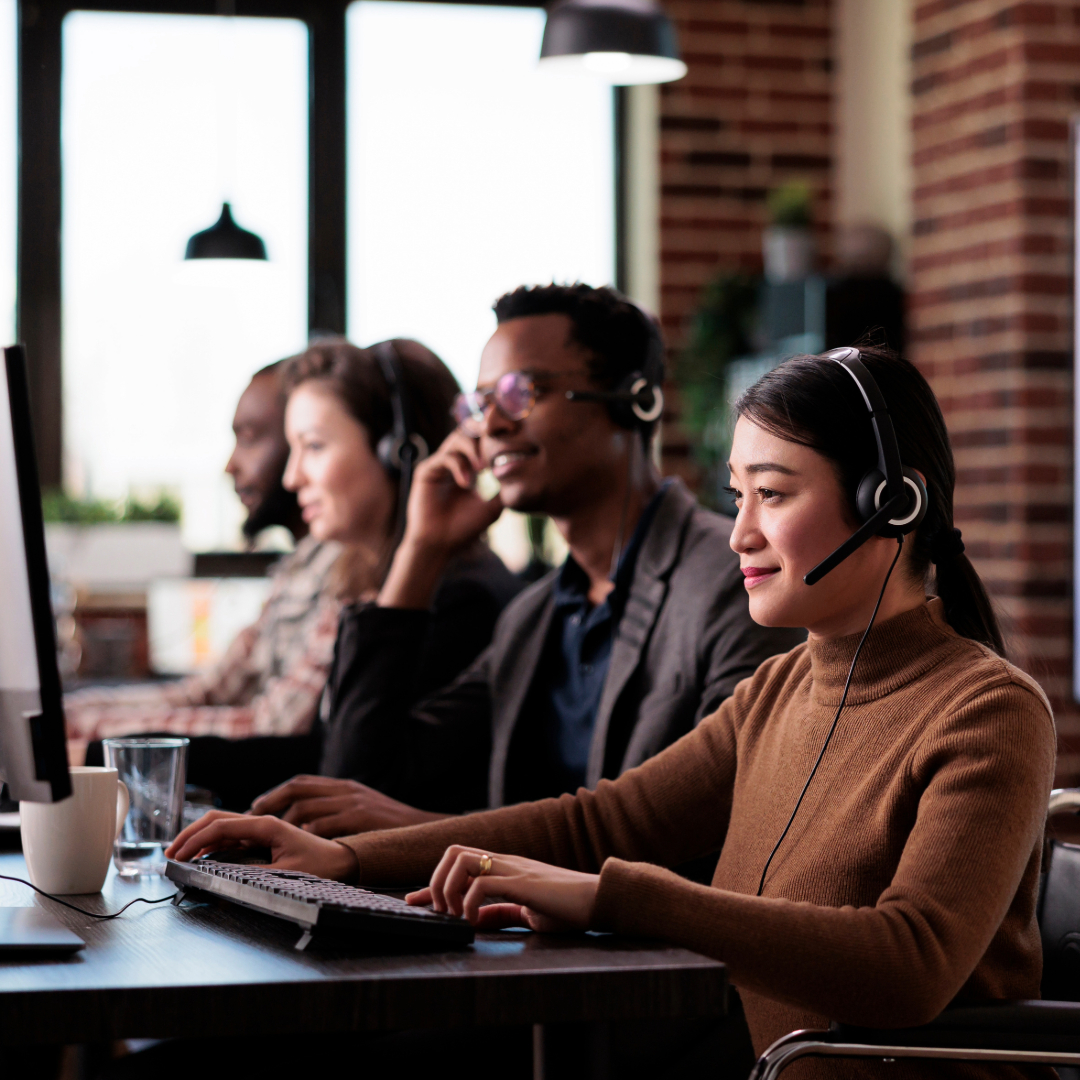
<point>753,112</point>
<point>995,85</point>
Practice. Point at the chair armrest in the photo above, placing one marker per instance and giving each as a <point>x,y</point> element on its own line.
<point>1063,799</point>
<point>1012,1025</point>
<point>1016,1032</point>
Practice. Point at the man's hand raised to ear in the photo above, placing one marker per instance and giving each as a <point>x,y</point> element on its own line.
<point>445,514</point>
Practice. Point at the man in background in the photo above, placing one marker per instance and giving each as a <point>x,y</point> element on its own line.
<point>270,679</point>
<point>257,464</point>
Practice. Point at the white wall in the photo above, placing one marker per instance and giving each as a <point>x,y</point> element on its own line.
<point>873,116</point>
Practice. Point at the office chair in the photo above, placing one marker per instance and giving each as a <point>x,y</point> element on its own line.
<point>1045,1032</point>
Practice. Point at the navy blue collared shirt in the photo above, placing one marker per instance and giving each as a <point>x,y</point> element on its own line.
<point>577,654</point>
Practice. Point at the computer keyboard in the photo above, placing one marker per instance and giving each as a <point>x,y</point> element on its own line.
<point>319,906</point>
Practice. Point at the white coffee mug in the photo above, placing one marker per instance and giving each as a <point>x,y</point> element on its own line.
<point>68,844</point>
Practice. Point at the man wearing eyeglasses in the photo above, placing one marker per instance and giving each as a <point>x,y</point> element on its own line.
<point>642,632</point>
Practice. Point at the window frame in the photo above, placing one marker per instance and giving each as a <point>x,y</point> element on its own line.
<point>39,300</point>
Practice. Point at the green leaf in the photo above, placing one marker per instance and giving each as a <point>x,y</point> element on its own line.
<point>791,204</point>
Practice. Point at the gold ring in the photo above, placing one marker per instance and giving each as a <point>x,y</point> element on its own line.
<point>485,865</point>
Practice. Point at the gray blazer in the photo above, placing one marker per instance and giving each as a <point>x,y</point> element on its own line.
<point>684,640</point>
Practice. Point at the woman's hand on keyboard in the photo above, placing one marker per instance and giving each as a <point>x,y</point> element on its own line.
<point>326,806</point>
<point>529,893</point>
<point>291,848</point>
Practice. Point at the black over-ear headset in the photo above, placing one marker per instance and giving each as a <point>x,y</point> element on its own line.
<point>638,400</point>
<point>402,448</point>
<point>891,499</point>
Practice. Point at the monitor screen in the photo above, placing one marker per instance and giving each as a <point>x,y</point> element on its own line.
<point>33,759</point>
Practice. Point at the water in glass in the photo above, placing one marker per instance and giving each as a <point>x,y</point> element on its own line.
<point>154,771</point>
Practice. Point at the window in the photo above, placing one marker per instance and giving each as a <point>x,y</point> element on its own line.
<point>163,118</point>
<point>470,172</point>
<point>8,165</point>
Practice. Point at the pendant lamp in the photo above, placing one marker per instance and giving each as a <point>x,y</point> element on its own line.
<point>621,42</point>
<point>225,240</point>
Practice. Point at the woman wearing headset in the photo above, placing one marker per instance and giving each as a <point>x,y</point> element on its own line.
<point>880,821</point>
<point>356,421</point>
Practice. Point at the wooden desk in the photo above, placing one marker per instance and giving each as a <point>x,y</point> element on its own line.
<point>215,970</point>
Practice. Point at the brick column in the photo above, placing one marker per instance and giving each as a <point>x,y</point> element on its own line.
<point>995,84</point>
<point>754,111</point>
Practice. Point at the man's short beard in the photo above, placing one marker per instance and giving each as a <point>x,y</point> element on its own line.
<point>278,508</point>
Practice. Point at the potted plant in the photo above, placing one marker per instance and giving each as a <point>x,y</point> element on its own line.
<point>113,547</point>
<point>788,242</point>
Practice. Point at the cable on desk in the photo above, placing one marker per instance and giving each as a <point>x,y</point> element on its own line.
<point>83,911</point>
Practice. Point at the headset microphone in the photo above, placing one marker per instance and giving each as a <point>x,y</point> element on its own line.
<point>856,539</point>
<point>891,499</point>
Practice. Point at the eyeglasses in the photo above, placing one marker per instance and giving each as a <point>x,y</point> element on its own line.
<point>514,395</point>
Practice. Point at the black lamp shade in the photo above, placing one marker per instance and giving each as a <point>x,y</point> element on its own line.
<point>628,41</point>
<point>225,240</point>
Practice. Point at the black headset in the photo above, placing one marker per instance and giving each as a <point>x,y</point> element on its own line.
<point>638,401</point>
<point>402,448</point>
<point>891,499</point>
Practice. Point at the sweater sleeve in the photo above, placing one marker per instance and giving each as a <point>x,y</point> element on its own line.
<point>669,810</point>
<point>984,778</point>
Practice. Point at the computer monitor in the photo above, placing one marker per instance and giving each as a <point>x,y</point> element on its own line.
<point>33,758</point>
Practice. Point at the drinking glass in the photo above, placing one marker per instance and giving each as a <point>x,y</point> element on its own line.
<point>154,771</point>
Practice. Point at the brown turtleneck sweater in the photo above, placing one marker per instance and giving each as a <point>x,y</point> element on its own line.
<point>908,878</point>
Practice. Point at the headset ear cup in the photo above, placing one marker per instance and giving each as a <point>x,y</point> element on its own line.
<point>639,402</point>
<point>643,391</point>
<point>388,453</point>
<point>390,449</point>
<point>909,518</point>
<point>915,480</point>
<point>865,498</point>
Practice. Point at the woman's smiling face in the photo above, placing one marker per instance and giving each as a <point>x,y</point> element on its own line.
<point>343,491</point>
<point>792,514</point>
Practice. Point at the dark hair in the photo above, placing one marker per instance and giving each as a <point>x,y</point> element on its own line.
<point>620,337</point>
<point>810,401</point>
<point>355,377</point>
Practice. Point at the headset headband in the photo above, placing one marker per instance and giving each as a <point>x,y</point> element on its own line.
<point>884,433</point>
<point>402,429</point>
<point>403,447</point>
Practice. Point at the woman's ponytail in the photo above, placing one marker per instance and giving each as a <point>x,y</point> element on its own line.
<point>967,607</point>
